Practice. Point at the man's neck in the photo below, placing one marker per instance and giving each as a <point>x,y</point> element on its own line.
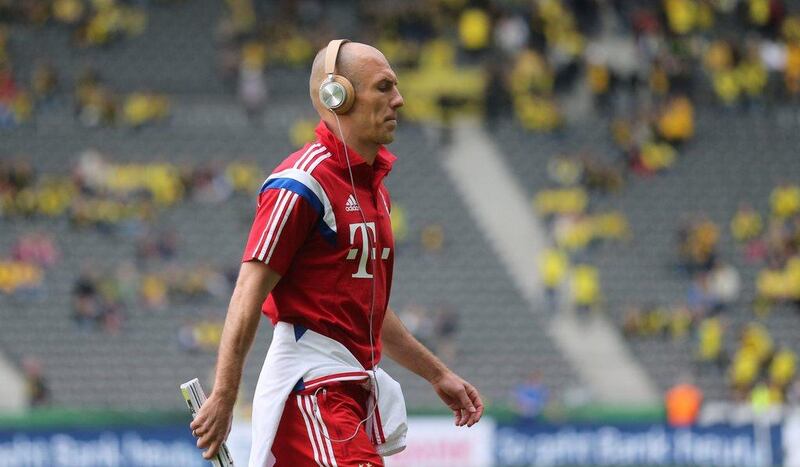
<point>368,151</point>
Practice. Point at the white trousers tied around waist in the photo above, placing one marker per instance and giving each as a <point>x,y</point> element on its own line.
<point>297,353</point>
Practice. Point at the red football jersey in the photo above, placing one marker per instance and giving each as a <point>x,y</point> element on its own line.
<point>309,228</point>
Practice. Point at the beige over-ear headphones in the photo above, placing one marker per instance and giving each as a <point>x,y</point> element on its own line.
<point>336,93</point>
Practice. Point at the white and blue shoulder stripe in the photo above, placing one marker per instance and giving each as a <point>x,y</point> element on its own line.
<point>298,179</point>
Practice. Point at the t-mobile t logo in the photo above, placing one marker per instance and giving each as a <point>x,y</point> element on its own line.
<point>362,228</point>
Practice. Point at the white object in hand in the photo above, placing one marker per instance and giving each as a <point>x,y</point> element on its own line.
<point>195,397</point>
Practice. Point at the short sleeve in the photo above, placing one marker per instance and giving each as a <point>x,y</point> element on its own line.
<point>283,222</point>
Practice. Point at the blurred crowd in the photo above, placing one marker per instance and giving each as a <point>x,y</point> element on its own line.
<point>435,326</point>
<point>527,58</point>
<point>642,63</point>
<point>576,227</point>
<point>643,66</point>
<point>112,197</point>
<point>95,24</point>
<point>22,272</point>
<point>119,200</point>
<point>92,23</point>
<point>755,365</point>
<point>95,104</point>
<point>103,299</point>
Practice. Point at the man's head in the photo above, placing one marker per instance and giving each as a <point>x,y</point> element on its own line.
<point>373,118</point>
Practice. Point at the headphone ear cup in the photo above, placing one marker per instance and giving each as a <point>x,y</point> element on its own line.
<point>337,94</point>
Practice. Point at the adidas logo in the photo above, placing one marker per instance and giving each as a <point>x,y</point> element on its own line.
<point>351,204</point>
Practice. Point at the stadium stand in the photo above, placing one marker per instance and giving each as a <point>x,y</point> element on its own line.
<point>83,368</point>
<point>724,167</point>
<point>698,159</point>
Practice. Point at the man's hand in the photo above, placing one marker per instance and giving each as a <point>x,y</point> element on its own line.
<point>212,424</point>
<point>462,398</point>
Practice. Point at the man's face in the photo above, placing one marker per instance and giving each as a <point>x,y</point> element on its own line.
<point>374,115</point>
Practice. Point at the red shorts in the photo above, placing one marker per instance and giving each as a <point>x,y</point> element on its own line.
<point>306,438</point>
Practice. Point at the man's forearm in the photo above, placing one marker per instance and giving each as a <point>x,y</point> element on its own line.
<point>241,323</point>
<point>401,346</point>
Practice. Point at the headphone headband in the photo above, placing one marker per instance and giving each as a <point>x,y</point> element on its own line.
<point>331,53</point>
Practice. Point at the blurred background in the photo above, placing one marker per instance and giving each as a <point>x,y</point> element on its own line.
<point>596,209</point>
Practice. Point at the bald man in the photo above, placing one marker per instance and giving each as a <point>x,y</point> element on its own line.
<point>318,263</point>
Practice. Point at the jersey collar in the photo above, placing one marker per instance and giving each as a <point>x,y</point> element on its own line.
<point>383,161</point>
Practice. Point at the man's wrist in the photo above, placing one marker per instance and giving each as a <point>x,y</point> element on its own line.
<point>437,374</point>
<point>226,393</point>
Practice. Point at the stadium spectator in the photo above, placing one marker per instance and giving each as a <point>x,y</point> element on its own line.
<point>586,292</point>
<point>252,83</point>
<point>654,157</point>
<point>69,12</point>
<point>683,402</point>
<point>21,279</point>
<point>657,321</point>
<point>711,349</point>
<point>38,390</point>
<point>791,72</point>
<point>36,248</point>
<point>681,323</point>
<point>143,108</point>
<point>676,123</point>
<point>561,201</point>
<point>243,177</point>
<point>201,335</point>
<point>109,22</point>
<point>496,94</point>
<point>198,282</point>
<point>723,285</point>
<point>302,131</point>
<point>399,223</point>
<point>760,397</point>
<point>86,308</point>
<point>553,268</point>
<point>599,79</point>
<point>419,322</point>
<point>565,170</point>
<point>16,106</point>
<point>511,33</point>
<point>432,238</point>
<point>785,200</point>
<point>186,338</point>
<point>474,30</point>
<point>601,177</point>
<point>16,175</point>
<point>159,246</point>
<point>782,368</point>
<point>697,245</point>
<point>531,396</point>
<point>44,83</point>
<point>756,338</point>
<point>743,372</point>
<point>746,224</point>
<point>154,292</point>
<point>128,280</point>
<point>210,185</point>
<point>95,103</point>
<point>445,328</point>
<point>573,233</point>
<point>632,322</point>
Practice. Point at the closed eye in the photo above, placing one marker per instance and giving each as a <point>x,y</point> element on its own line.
<point>385,85</point>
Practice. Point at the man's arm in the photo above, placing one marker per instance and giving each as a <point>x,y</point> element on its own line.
<point>402,347</point>
<point>213,422</point>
